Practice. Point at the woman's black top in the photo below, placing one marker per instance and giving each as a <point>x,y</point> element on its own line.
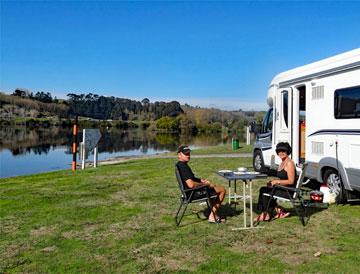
<point>282,174</point>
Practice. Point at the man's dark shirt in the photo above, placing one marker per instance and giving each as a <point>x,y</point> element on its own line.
<point>186,173</point>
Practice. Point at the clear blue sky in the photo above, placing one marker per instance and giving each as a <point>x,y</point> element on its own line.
<point>203,53</point>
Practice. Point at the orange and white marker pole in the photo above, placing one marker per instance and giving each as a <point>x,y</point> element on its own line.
<point>74,148</point>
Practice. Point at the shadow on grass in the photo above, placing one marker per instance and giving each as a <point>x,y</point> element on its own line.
<point>227,210</point>
<point>354,203</point>
<point>310,211</point>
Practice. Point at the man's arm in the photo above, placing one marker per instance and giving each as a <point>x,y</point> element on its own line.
<point>191,183</point>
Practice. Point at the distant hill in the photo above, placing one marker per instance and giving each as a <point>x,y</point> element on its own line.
<point>167,115</point>
<point>24,104</point>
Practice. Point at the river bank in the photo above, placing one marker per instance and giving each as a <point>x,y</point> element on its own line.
<point>169,155</point>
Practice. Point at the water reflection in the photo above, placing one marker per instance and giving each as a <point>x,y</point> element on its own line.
<point>23,140</point>
<point>41,141</point>
<point>25,151</point>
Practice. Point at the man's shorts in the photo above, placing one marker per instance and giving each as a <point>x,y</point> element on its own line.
<point>204,193</point>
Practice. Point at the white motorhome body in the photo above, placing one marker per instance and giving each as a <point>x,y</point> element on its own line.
<point>316,108</point>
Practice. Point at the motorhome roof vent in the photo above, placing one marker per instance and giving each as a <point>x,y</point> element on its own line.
<point>317,148</point>
<point>318,92</point>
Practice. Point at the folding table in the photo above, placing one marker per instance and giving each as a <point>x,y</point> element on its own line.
<point>246,178</point>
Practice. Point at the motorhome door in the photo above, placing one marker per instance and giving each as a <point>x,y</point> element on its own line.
<point>283,117</point>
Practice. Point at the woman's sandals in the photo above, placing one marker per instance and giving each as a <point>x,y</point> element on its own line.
<point>281,215</point>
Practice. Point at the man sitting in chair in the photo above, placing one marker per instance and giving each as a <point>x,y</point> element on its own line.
<point>191,181</point>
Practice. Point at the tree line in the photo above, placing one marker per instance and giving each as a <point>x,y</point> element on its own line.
<point>92,106</point>
<point>101,107</point>
<point>164,116</point>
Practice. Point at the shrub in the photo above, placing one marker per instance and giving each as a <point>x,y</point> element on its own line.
<point>167,123</point>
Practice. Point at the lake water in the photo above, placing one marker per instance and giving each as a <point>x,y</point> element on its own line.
<point>28,151</point>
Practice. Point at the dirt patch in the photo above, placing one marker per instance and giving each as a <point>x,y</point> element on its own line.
<point>122,230</point>
<point>43,231</point>
<point>93,203</point>
<point>119,196</point>
<point>87,232</point>
<point>10,224</point>
<point>49,249</point>
<point>14,250</point>
<point>101,259</point>
<point>70,234</point>
<point>174,259</point>
<point>297,246</point>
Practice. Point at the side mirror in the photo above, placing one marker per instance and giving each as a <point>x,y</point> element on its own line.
<point>255,128</point>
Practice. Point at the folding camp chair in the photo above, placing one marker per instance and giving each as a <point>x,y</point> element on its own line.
<point>298,196</point>
<point>191,195</point>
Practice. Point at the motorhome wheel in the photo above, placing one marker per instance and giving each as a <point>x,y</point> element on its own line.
<point>333,181</point>
<point>258,161</point>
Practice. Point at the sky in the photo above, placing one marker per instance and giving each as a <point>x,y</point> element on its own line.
<point>209,54</point>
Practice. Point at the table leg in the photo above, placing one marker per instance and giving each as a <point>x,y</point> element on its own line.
<point>244,199</point>
<point>229,192</point>
<point>251,205</point>
<point>235,191</point>
<point>251,226</point>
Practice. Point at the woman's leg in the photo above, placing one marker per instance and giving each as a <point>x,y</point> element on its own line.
<point>280,211</point>
<point>263,200</point>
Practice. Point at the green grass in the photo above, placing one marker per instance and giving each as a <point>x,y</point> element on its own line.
<point>119,219</point>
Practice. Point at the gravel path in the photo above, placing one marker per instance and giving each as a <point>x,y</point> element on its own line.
<point>169,156</point>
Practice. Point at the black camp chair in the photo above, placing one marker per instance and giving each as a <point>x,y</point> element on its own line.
<point>191,195</point>
<point>298,196</point>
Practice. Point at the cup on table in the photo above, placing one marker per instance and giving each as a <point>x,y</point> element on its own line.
<point>242,169</point>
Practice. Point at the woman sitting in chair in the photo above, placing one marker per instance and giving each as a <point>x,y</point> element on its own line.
<point>286,174</point>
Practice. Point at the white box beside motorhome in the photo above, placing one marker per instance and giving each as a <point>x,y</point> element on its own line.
<point>316,108</point>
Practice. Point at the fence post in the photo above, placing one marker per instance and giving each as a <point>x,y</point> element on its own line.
<point>248,135</point>
<point>95,156</point>
<point>83,151</point>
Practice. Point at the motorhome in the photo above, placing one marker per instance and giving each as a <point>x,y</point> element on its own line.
<point>316,109</point>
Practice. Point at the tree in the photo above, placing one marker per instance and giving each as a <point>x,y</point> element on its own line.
<point>22,93</point>
<point>43,97</point>
<point>145,101</point>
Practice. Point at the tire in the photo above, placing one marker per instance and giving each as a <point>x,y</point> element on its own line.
<point>258,161</point>
<point>333,181</point>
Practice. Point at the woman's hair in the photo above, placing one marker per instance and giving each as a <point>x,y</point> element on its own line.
<point>283,146</point>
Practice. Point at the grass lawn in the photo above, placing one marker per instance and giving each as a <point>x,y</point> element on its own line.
<point>120,219</point>
<point>223,149</point>
<point>219,149</point>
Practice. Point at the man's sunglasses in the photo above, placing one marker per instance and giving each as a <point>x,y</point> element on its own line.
<point>186,153</point>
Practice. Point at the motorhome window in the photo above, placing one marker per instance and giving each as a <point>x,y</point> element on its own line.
<point>270,121</point>
<point>285,96</point>
<point>347,103</point>
<point>267,122</point>
<point>302,98</point>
